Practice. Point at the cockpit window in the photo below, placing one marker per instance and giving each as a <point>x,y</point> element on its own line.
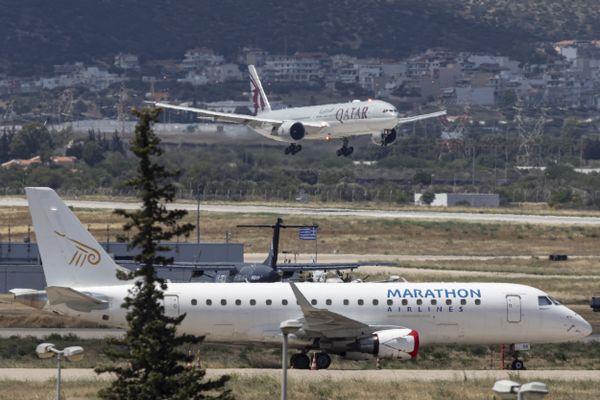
<point>556,302</point>
<point>544,301</point>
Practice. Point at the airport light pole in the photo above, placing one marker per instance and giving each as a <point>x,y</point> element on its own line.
<point>287,327</point>
<point>71,353</point>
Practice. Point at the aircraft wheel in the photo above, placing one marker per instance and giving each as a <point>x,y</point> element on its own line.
<point>517,365</point>
<point>297,148</point>
<point>300,361</point>
<point>287,150</point>
<point>323,360</point>
<point>339,152</point>
<point>349,151</point>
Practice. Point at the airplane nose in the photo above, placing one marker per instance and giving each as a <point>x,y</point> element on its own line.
<point>579,326</point>
<point>584,327</point>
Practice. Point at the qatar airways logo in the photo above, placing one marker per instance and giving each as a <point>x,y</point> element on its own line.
<point>434,293</point>
<point>345,114</point>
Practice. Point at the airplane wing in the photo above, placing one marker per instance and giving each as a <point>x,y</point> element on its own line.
<point>414,118</point>
<point>183,264</point>
<point>220,116</point>
<point>325,323</point>
<point>295,267</point>
<point>237,118</point>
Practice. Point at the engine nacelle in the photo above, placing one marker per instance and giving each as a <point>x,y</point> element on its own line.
<point>384,138</point>
<point>391,343</point>
<point>291,129</point>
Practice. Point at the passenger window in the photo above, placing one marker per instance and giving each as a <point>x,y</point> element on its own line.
<point>375,302</point>
<point>419,302</point>
<point>252,302</point>
<point>208,302</point>
<point>477,302</point>
<point>544,301</point>
<point>361,302</point>
<point>448,302</point>
<point>284,302</point>
<point>390,302</point>
<point>269,302</point>
<point>194,302</point>
<point>328,302</point>
<point>238,302</point>
<point>313,302</point>
<point>463,301</point>
<point>223,302</point>
<point>404,302</point>
<point>433,302</point>
<point>346,302</point>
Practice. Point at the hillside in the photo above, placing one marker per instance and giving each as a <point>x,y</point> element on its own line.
<point>36,33</point>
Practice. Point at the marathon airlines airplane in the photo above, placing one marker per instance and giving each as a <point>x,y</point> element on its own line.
<point>354,320</point>
<point>325,122</point>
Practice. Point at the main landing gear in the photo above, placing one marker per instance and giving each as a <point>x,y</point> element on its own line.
<point>517,364</point>
<point>293,148</point>
<point>320,360</point>
<point>345,150</point>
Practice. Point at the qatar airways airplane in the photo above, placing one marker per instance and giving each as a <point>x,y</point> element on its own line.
<point>353,320</point>
<point>325,122</point>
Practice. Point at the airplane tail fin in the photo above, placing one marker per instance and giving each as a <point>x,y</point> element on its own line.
<point>257,94</point>
<point>71,257</point>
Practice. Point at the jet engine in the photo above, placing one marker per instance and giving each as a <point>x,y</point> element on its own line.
<point>384,138</point>
<point>391,343</point>
<point>291,129</point>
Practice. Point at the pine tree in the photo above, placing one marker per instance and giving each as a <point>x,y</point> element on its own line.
<point>152,363</point>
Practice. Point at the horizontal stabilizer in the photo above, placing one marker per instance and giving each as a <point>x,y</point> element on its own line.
<point>74,299</point>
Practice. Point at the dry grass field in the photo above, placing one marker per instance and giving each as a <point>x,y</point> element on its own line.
<point>252,388</point>
<point>360,236</point>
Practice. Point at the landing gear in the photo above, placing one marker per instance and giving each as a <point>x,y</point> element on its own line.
<point>300,361</point>
<point>323,360</point>
<point>345,150</point>
<point>517,364</point>
<point>293,148</point>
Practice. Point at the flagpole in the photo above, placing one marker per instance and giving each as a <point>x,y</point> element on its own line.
<point>316,243</point>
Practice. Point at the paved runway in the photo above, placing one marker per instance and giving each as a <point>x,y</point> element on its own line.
<point>337,212</point>
<point>42,374</point>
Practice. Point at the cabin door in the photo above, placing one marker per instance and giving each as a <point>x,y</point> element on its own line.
<point>513,308</point>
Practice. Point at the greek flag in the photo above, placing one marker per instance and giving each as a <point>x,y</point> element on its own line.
<point>308,233</point>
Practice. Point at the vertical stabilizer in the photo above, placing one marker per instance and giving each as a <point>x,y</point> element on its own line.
<point>70,255</point>
<point>257,94</point>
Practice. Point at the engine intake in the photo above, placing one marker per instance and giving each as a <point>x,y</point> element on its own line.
<point>293,130</point>
<point>391,343</point>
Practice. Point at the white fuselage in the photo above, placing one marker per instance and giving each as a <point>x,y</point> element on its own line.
<point>343,119</point>
<point>468,313</point>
